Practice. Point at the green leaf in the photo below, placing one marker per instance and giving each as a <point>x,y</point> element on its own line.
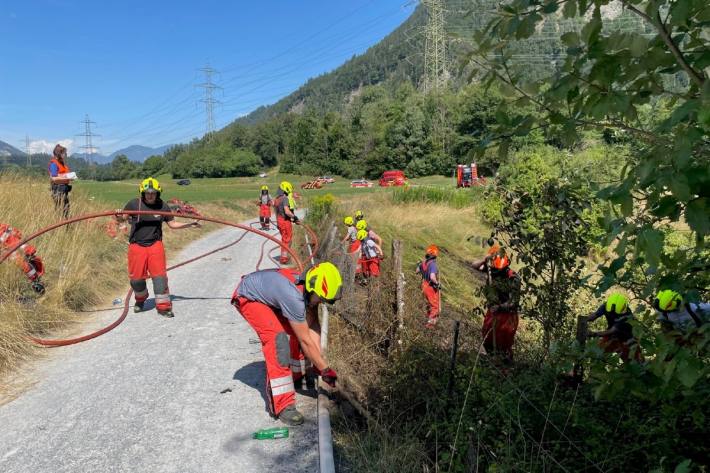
<point>689,372</point>
<point>651,244</point>
<point>697,214</point>
<point>570,38</point>
<point>570,9</point>
<point>639,46</point>
<point>680,188</point>
<point>684,466</point>
<point>590,31</point>
<point>507,89</point>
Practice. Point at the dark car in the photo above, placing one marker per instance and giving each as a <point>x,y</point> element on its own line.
<point>183,182</point>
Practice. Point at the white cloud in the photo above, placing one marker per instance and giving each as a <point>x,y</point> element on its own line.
<point>44,146</point>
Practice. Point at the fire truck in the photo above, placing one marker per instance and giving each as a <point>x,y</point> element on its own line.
<point>467,176</point>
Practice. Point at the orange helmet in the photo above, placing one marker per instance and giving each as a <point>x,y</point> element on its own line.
<point>500,262</point>
<point>432,250</point>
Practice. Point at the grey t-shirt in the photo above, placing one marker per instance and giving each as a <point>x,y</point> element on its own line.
<point>275,290</point>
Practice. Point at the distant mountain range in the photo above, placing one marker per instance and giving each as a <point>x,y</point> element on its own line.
<point>137,153</point>
<point>9,150</point>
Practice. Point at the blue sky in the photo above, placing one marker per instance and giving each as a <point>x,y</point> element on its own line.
<point>132,66</point>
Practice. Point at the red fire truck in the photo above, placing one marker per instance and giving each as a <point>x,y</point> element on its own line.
<point>467,176</point>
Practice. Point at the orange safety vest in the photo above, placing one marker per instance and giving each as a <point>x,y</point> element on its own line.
<point>63,168</point>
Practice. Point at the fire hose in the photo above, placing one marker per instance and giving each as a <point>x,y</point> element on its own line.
<point>247,229</point>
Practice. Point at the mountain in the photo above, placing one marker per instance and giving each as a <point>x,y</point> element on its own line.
<point>138,153</point>
<point>9,150</point>
<point>96,158</point>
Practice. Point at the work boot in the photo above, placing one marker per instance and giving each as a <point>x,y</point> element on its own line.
<point>291,416</point>
<point>138,307</point>
<point>298,383</point>
<point>310,382</point>
<point>166,313</point>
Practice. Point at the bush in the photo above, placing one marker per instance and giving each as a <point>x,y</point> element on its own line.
<point>456,198</point>
<point>320,208</point>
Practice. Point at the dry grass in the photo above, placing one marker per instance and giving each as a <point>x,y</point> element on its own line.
<point>82,263</point>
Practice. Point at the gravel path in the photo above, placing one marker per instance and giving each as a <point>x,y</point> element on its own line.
<point>160,395</point>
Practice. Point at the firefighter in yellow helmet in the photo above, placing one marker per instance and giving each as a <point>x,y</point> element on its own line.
<point>264,204</point>
<point>278,303</point>
<point>146,254</point>
<point>675,314</point>
<point>285,216</point>
<point>618,335</point>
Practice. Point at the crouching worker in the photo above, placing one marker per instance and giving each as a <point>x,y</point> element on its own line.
<point>25,256</point>
<point>146,254</point>
<point>370,255</point>
<point>277,303</point>
<point>430,284</point>
<point>618,337</point>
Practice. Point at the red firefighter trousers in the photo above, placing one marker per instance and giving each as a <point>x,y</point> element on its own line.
<point>144,261</point>
<point>433,298</point>
<point>499,332</point>
<point>272,329</point>
<point>286,229</point>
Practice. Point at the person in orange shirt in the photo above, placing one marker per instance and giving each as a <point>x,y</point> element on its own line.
<point>59,183</point>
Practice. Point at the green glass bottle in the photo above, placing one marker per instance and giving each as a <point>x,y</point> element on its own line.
<point>272,433</point>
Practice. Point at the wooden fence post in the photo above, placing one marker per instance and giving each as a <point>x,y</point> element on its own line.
<point>578,370</point>
<point>397,257</point>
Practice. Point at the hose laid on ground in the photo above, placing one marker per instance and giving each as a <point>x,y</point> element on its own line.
<point>247,229</point>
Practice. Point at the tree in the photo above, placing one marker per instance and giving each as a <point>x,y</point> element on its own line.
<point>608,77</point>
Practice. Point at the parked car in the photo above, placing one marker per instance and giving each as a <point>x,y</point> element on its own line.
<point>183,182</point>
<point>393,178</point>
<point>263,174</point>
<point>361,183</point>
<point>327,179</point>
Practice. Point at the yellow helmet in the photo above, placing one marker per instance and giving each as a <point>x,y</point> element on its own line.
<point>265,188</point>
<point>348,221</point>
<point>361,234</point>
<point>359,215</point>
<point>286,187</point>
<point>668,300</point>
<point>361,225</point>
<point>150,183</point>
<point>324,279</point>
<point>617,303</point>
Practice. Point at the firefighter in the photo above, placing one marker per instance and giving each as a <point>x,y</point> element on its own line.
<point>277,303</point>
<point>359,216</point>
<point>618,337</point>
<point>25,256</point>
<point>502,293</point>
<point>146,254</point>
<point>265,208</point>
<point>674,315</point>
<point>431,286</point>
<point>285,216</point>
<point>351,235</point>
<point>59,184</point>
<point>362,225</point>
<point>370,255</point>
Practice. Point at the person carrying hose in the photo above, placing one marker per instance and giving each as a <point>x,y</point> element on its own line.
<point>363,225</point>
<point>351,235</point>
<point>431,288</point>
<point>60,185</point>
<point>265,208</point>
<point>146,254</point>
<point>25,256</point>
<point>285,217</point>
<point>502,294</point>
<point>278,303</point>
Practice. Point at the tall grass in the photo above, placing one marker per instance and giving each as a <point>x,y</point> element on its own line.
<point>84,266</point>
<point>449,196</point>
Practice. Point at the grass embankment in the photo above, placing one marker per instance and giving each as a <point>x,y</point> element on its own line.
<point>84,266</point>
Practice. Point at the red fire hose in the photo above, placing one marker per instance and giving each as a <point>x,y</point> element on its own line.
<point>121,318</point>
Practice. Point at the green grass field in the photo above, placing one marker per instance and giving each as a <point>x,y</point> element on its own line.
<point>117,193</point>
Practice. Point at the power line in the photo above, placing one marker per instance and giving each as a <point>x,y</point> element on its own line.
<point>88,135</point>
<point>27,150</point>
<point>209,100</point>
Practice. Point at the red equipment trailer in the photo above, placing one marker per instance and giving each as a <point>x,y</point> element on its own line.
<point>467,176</point>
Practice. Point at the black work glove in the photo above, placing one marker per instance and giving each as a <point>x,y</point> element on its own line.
<point>435,285</point>
<point>37,286</point>
<point>295,219</point>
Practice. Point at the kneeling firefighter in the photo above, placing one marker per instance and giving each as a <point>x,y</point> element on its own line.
<point>25,256</point>
<point>285,215</point>
<point>265,208</point>
<point>618,336</point>
<point>281,302</point>
<point>146,254</point>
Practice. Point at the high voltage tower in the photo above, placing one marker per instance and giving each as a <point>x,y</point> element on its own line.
<point>209,99</point>
<point>435,67</point>
<point>26,142</point>
<point>88,136</point>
